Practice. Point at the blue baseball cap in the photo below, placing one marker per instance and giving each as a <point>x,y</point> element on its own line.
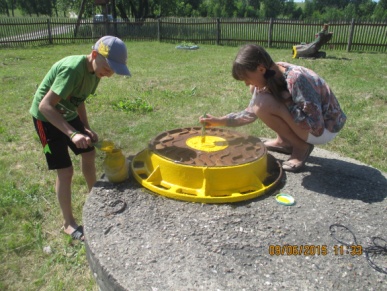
<point>114,50</point>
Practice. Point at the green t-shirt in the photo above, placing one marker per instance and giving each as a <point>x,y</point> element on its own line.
<point>70,79</point>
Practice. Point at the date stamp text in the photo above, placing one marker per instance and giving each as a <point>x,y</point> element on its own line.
<point>315,250</point>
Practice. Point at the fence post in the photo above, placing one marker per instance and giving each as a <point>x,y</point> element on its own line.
<point>270,33</point>
<point>350,38</point>
<point>159,29</point>
<point>217,31</point>
<point>49,31</point>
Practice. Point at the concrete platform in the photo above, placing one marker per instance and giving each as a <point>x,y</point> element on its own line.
<point>155,243</point>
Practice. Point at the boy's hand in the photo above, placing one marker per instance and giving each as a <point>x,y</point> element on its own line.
<point>81,141</point>
<point>93,135</point>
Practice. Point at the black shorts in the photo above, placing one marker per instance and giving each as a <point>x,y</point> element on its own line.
<point>55,143</point>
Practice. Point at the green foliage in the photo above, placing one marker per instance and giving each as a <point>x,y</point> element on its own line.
<point>187,44</point>
<point>380,12</point>
<point>323,10</point>
<point>137,105</point>
<point>329,10</point>
<point>29,8</point>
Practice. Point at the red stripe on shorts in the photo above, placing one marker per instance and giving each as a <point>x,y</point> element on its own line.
<point>42,133</point>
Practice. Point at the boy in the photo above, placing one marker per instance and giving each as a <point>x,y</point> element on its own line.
<point>60,119</point>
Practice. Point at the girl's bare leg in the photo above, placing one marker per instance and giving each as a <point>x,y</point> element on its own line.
<point>277,117</point>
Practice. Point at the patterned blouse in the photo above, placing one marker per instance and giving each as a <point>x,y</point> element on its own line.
<point>313,107</point>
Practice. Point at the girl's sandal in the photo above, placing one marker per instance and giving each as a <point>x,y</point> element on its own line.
<point>295,167</point>
<point>278,149</point>
<point>282,150</point>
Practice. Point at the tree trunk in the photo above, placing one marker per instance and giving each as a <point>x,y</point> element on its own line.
<point>121,9</point>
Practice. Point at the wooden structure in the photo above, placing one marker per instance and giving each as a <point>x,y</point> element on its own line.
<point>311,50</point>
<point>365,36</point>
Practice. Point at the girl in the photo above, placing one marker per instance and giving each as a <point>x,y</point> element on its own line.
<point>292,100</point>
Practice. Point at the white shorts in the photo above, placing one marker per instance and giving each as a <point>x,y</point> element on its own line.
<point>326,137</point>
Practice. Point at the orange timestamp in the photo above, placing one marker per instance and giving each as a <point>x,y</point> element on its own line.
<point>314,250</point>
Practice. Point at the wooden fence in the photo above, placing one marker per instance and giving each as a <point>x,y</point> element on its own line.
<point>278,33</point>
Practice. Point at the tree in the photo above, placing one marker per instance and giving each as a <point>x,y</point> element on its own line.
<point>380,11</point>
<point>37,7</point>
<point>141,9</point>
<point>221,8</point>
<point>63,7</point>
<point>138,9</point>
<point>272,8</point>
<point>332,14</point>
<point>367,8</point>
<point>322,5</point>
<point>4,7</point>
<point>246,8</point>
<point>309,8</point>
<point>349,12</point>
<point>291,11</point>
<point>183,9</point>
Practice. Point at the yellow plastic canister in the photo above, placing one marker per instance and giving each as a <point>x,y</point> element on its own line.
<point>116,166</point>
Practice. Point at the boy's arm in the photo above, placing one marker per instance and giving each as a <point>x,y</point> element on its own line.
<point>81,109</point>
<point>47,107</point>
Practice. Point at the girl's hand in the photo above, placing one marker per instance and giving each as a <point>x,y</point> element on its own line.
<point>211,121</point>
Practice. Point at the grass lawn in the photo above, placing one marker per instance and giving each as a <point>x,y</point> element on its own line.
<point>169,89</point>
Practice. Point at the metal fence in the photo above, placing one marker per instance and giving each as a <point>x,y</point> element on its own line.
<point>347,35</point>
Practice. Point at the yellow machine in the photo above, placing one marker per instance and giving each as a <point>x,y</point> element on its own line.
<point>217,183</point>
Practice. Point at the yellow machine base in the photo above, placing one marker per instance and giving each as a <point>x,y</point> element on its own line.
<point>204,184</point>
